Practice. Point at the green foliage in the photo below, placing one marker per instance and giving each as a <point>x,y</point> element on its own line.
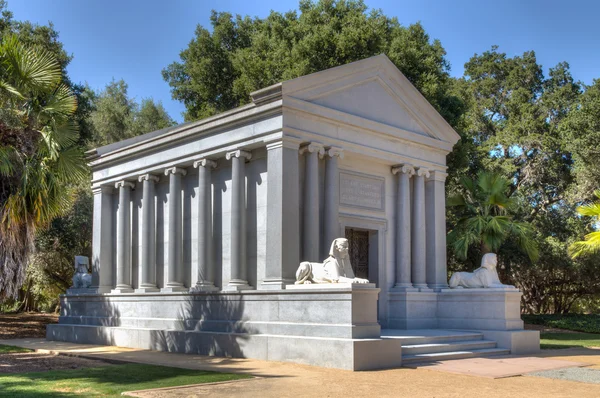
<point>484,218</point>
<point>589,323</point>
<point>105,381</point>
<point>115,116</point>
<point>591,244</point>
<point>220,69</point>
<point>38,145</point>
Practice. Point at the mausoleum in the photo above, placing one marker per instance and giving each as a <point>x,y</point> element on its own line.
<point>199,230</point>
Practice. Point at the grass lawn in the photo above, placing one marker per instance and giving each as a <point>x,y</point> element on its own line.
<point>106,381</point>
<point>587,323</point>
<point>7,349</point>
<point>568,340</point>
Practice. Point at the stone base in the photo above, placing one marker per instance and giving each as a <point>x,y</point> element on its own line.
<point>519,342</point>
<point>480,309</point>
<point>324,326</point>
<point>87,290</point>
<point>412,310</point>
<point>237,288</point>
<point>203,289</point>
<point>174,289</point>
<point>121,290</point>
<point>350,354</point>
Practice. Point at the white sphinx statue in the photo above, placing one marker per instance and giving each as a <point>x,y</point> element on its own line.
<point>335,269</point>
<point>485,276</point>
<point>81,279</point>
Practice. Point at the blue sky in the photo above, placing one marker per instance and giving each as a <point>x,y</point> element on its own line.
<point>134,40</point>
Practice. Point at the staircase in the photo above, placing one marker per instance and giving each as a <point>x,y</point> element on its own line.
<point>428,345</point>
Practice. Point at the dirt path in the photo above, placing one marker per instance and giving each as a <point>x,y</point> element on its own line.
<point>31,324</point>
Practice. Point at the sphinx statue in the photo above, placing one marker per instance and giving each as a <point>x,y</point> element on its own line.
<point>485,276</point>
<point>335,269</point>
<point>81,279</point>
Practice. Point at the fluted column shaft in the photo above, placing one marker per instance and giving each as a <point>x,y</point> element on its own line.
<point>418,230</point>
<point>205,280</point>
<point>124,238</point>
<point>331,225</point>
<point>310,219</point>
<point>239,277</point>
<point>175,246</point>
<point>403,226</point>
<point>102,240</point>
<point>148,232</point>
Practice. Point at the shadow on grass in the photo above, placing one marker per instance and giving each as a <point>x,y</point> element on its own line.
<point>105,381</point>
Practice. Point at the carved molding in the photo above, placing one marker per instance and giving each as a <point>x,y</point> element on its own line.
<point>238,153</point>
<point>313,147</point>
<point>106,189</point>
<point>148,177</point>
<point>124,184</point>
<point>404,169</point>
<point>205,163</point>
<point>175,170</point>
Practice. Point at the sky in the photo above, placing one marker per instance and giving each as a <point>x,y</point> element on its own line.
<point>134,39</point>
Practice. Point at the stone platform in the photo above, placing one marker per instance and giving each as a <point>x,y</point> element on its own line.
<point>333,326</point>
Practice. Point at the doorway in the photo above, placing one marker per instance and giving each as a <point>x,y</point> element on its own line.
<point>358,250</point>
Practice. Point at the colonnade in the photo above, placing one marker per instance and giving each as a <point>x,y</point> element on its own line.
<point>420,246</point>
<point>420,225</point>
<point>312,240</point>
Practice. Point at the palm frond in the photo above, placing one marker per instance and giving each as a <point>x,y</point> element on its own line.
<point>590,245</point>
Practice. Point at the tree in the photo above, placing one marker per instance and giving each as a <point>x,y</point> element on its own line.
<point>115,116</point>
<point>219,69</point>
<point>591,243</point>
<point>484,220</point>
<point>38,153</point>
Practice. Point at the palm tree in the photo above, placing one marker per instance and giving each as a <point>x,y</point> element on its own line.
<point>39,159</point>
<point>484,221</point>
<point>591,242</point>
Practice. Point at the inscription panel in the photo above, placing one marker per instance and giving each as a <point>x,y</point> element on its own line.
<point>362,190</point>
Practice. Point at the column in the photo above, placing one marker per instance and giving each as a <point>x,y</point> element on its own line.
<point>148,235</point>
<point>239,279</point>
<point>283,217</point>
<point>175,246</point>
<point>435,204</point>
<point>102,241</point>
<point>310,219</point>
<point>403,226</point>
<point>124,238</point>
<point>331,224</point>
<point>206,274</point>
<point>418,230</point>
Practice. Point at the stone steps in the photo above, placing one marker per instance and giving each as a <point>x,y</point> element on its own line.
<point>455,346</point>
<point>428,345</point>
<point>442,356</point>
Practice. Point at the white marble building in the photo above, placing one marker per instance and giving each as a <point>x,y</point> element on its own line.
<point>223,210</point>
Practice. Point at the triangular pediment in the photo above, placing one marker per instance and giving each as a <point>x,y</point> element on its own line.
<point>375,90</point>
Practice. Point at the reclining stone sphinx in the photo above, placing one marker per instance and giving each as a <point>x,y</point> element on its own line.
<point>335,269</point>
<point>485,276</point>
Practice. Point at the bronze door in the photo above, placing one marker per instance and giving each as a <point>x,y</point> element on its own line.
<point>358,250</point>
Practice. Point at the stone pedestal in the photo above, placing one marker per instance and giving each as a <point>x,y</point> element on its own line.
<point>324,325</point>
<point>480,309</point>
